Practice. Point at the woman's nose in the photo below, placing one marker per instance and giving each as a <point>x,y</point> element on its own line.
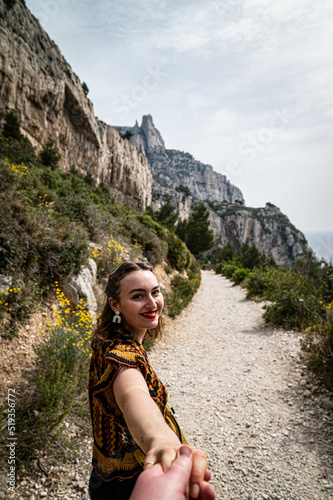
<point>150,302</point>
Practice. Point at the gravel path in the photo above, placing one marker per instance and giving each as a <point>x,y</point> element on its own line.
<point>241,392</point>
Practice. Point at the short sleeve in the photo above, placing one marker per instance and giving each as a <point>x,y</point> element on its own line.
<point>127,355</point>
<point>116,356</point>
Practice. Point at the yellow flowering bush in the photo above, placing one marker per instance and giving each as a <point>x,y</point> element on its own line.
<point>108,256</point>
<point>67,335</point>
<point>19,170</point>
<point>58,385</point>
<point>45,206</point>
<point>6,299</point>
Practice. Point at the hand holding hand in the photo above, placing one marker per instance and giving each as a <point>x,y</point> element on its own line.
<point>155,484</point>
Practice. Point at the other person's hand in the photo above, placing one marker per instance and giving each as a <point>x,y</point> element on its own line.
<point>155,484</point>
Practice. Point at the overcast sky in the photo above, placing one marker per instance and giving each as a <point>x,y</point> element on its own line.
<point>243,85</point>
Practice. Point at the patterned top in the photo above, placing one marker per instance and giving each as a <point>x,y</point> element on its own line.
<point>114,447</point>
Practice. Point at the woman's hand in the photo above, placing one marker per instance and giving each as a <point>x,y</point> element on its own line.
<point>198,474</point>
<point>154,484</point>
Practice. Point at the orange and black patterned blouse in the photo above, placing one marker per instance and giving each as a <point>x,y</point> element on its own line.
<point>114,447</point>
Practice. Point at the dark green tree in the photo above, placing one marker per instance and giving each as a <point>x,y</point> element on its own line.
<point>180,229</point>
<point>228,252</point>
<point>149,211</point>
<point>250,257</point>
<point>198,236</point>
<point>11,128</point>
<point>183,189</point>
<point>167,216</point>
<point>49,156</point>
<point>85,88</point>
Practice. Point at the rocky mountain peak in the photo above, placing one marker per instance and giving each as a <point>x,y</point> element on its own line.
<point>152,135</point>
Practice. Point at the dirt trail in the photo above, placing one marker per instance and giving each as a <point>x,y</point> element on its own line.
<point>241,392</point>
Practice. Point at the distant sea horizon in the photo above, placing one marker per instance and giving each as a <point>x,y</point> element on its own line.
<point>321,242</point>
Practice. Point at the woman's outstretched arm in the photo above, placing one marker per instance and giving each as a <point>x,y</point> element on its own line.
<point>149,429</point>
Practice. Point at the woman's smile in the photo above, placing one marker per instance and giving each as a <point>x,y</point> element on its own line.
<point>150,314</point>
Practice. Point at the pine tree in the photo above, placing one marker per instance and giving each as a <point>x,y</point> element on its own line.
<point>198,236</point>
<point>11,128</point>
<point>49,156</point>
<point>167,216</point>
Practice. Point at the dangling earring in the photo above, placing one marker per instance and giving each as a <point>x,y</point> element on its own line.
<point>117,317</point>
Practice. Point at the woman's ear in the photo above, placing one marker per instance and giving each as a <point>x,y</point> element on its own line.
<point>113,304</point>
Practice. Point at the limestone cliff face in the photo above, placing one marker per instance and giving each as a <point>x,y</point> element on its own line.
<point>173,168</point>
<point>266,228</point>
<point>40,86</point>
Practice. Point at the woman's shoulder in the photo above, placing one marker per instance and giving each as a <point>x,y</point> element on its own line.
<point>125,349</point>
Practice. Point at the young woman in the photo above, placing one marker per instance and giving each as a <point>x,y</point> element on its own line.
<point>132,423</point>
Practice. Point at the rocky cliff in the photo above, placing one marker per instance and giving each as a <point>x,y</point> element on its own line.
<point>39,85</point>
<point>182,180</point>
<point>266,228</point>
<point>173,168</point>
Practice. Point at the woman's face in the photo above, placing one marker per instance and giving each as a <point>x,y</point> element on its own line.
<point>140,301</point>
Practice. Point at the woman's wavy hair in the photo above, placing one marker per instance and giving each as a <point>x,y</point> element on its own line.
<point>106,331</point>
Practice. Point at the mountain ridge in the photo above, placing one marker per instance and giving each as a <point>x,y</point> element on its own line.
<point>172,168</point>
<point>182,180</point>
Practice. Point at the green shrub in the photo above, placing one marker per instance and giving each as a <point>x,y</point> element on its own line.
<point>218,267</point>
<point>284,289</point>
<point>224,254</point>
<point>240,274</point>
<point>11,128</point>
<point>229,268</point>
<point>178,254</point>
<point>85,88</point>
<point>183,289</point>
<point>258,284</point>
<point>317,342</point>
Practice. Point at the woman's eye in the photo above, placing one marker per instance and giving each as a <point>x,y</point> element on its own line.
<point>156,292</point>
<point>138,296</point>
